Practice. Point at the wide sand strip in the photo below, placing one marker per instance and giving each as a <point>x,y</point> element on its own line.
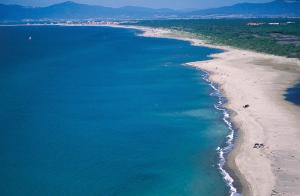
<point>260,81</point>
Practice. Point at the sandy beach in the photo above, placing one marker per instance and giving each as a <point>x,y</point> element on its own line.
<point>260,81</point>
<point>272,166</point>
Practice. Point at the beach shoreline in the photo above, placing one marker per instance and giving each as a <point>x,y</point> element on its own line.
<point>266,155</point>
<point>258,80</point>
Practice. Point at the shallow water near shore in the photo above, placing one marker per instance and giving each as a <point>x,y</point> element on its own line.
<point>101,111</point>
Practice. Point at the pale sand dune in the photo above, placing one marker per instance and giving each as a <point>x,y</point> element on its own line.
<point>259,80</point>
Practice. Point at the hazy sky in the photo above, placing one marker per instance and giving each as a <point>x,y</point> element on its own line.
<point>176,4</point>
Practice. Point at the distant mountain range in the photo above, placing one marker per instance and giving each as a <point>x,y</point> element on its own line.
<point>71,10</point>
<point>288,8</point>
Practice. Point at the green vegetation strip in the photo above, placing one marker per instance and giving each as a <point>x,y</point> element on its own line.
<point>253,34</point>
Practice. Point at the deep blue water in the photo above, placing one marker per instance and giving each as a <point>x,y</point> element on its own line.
<point>293,94</point>
<point>100,111</point>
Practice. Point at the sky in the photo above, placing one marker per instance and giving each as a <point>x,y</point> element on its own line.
<point>174,4</point>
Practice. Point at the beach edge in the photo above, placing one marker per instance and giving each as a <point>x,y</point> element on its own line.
<point>230,166</point>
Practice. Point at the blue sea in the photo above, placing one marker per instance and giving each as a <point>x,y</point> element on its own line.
<point>92,111</point>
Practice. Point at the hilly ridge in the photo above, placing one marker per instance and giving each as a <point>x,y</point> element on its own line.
<point>72,10</point>
<point>274,8</point>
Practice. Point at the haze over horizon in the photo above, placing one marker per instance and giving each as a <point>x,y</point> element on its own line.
<point>173,4</point>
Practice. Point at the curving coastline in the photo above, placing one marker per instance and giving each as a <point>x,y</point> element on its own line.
<point>223,151</point>
<point>260,80</point>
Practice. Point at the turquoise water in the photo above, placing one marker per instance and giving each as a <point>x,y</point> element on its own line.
<point>101,111</point>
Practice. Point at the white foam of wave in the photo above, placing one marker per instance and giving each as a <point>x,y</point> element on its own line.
<point>224,150</point>
<point>227,147</point>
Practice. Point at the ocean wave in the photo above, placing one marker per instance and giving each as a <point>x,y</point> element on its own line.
<point>226,148</point>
